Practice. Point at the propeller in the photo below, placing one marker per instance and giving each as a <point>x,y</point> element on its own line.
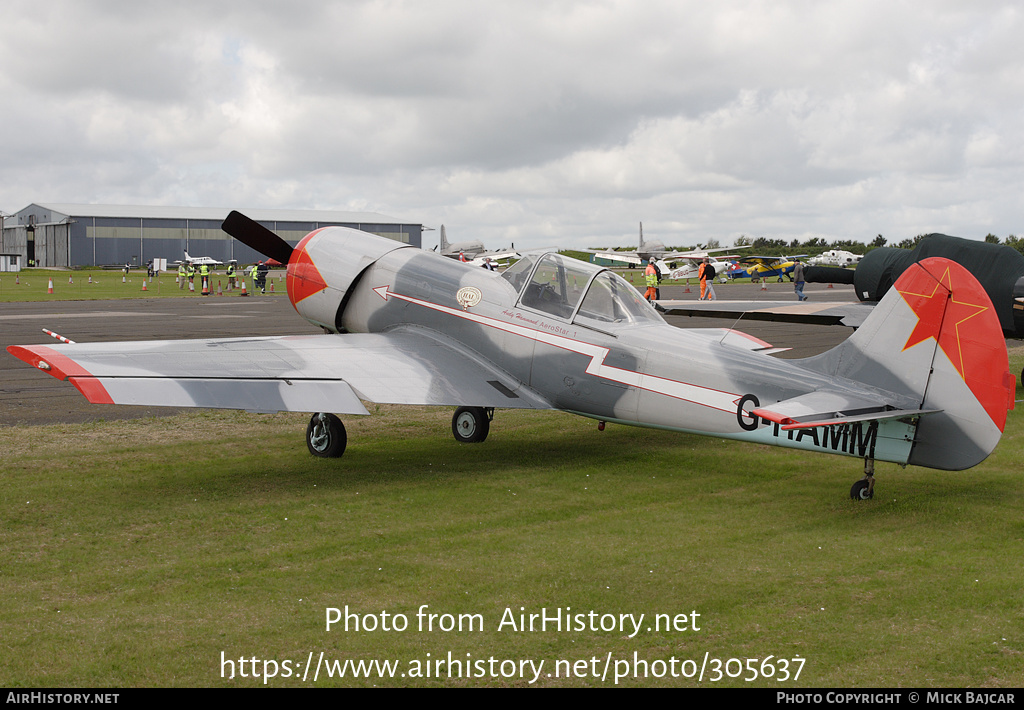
<point>255,235</point>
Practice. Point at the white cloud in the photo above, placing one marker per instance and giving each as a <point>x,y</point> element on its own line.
<point>557,122</point>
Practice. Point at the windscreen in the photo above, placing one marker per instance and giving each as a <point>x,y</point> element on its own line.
<point>611,300</point>
<point>557,285</point>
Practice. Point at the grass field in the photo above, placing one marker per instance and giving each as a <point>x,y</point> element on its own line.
<point>136,553</point>
<point>75,285</point>
<point>107,284</point>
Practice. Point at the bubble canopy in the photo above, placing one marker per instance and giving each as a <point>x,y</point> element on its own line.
<point>575,290</point>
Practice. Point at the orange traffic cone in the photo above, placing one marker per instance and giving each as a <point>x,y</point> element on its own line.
<point>206,287</point>
<point>71,280</point>
<point>243,293</point>
<point>49,289</point>
<point>271,286</point>
<point>17,279</point>
<point>219,291</point>
<point>144,285</point>
<point>829,286</point>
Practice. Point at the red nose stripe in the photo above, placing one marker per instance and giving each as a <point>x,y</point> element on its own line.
<point>304,278</point>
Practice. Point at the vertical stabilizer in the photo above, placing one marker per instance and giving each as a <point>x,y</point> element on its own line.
<point>935,337</point>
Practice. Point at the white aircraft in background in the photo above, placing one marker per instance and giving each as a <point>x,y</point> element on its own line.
<point>691,269</point>
<point>836,257</point>
<point>200,260</point>
<point>662,256</point>
<point>472,251</point>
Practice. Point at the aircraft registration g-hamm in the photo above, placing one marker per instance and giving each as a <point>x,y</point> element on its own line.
<point>924,381</point>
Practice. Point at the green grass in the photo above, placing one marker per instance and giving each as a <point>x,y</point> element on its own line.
<point>107,284</point>
<point>33,284</point>
<point>134,553</point>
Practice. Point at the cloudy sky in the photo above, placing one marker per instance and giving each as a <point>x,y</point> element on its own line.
<point>539,123</point>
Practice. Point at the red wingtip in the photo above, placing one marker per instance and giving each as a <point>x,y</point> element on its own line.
<point>62,367</point>
<point>48,360</point>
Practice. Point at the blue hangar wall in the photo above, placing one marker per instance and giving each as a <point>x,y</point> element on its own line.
<point>91,239</point>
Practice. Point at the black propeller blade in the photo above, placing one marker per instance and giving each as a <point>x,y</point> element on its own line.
<point>255,235</point>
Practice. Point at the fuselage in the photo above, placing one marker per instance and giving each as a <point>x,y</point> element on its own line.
<point>608,356</point>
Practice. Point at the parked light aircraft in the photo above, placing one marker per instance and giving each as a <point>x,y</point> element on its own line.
<point>407,326</point>
<point>764,267</point>
<point>691,268</point>
<point>835,257</point>
<point>200,260</point>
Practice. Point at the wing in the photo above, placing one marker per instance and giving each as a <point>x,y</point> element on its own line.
<point>627,257</point>
<point>760,260</point>
<point>697,253</point>
<point>825,313</point>
<point>312,373</point>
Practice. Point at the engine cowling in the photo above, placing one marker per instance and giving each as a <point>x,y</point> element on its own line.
<point>325,265</point>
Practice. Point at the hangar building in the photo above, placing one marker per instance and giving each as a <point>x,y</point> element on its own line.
<point>57,234</point>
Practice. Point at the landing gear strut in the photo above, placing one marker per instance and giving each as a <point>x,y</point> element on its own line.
<point>326,436</point>
<point>865,487</point>
<point>471,424</point>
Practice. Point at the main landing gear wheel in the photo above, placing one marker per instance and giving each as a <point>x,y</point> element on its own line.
<point>326,436</point>
<point>471,424</point>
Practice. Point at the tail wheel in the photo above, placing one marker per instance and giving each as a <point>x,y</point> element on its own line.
<point>862,490</point>
<point>471,424</point>
<point>326,436</point>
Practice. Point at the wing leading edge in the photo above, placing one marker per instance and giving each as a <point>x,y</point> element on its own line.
<point>329,373</point>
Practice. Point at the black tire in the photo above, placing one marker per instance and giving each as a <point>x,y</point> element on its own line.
<point>861,490</point>
<point>470,425</point>
<point>326,436</point>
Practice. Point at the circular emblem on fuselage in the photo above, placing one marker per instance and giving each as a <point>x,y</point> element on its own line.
<point>468,296</point>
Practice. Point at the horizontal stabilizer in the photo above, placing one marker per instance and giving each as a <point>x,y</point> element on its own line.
<point>823,408</point>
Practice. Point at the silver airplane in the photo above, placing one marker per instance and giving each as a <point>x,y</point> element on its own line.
<point>925,380</point>
<point>200,260</point>
<point>472,251</point>
<point>657,250</point>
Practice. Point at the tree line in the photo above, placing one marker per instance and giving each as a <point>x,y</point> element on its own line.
<point>817,245</point>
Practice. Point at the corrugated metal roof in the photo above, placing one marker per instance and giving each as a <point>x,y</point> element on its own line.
<point>215,213</point>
